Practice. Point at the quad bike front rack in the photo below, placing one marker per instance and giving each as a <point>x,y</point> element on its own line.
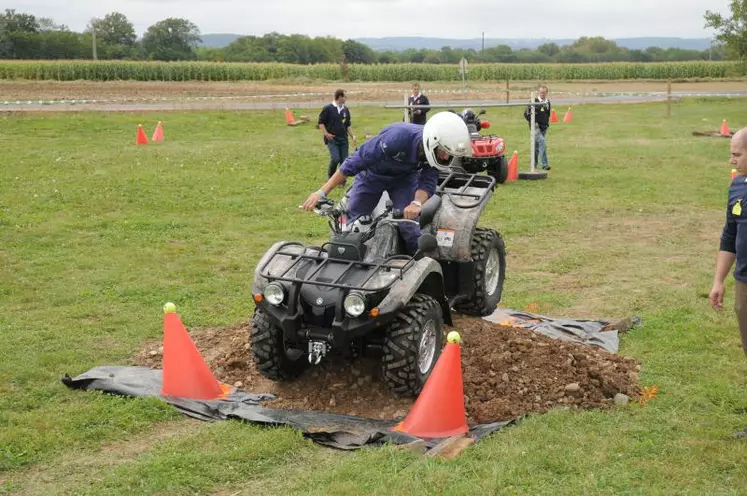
<point>462,186</point>
<point>323,260</point>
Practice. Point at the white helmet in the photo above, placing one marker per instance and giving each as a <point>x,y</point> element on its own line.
<point>448,131</point>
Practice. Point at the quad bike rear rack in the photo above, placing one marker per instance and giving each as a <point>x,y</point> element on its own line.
<point>468,186</point>
<point>375,267</point>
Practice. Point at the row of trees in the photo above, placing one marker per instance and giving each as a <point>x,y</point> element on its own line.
<point>24,36</point>
<point>301,49</point>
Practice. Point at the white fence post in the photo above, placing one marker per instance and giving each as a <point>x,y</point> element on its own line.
<point>532,158</point>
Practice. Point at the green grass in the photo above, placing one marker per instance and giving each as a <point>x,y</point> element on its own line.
<point>98,233</point>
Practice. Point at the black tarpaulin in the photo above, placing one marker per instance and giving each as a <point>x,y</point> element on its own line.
<point>339,431</point>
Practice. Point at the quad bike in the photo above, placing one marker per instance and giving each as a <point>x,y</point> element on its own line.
<point>361,294</point>
<point>488,151</point>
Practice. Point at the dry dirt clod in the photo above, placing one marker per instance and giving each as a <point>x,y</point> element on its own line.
<point>621,399</point>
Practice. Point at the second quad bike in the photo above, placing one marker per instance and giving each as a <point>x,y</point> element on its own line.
<point>488,151</point>
<point>360,293</point>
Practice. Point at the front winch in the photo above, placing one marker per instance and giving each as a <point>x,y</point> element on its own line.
<point>317,351</point>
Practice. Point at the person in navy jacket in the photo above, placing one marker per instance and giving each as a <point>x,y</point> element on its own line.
<point>403,160</point>
<point>542,123</point>
<point>334,122</point>
<point>733,244</point>
<point>417,116</point>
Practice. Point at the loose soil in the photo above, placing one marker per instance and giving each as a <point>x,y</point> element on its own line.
<point>507,372</point>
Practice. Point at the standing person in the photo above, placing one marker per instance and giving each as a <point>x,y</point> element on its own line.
<point>542,124</point>
<point>733,246</point>
<point>334,122</point>
<point>403,160</point>
<point>417,116</point>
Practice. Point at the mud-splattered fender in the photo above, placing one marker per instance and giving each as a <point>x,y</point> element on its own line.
<point>424,277</point>
<point>460,223</point>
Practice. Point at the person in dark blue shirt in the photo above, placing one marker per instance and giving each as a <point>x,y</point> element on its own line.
<point>403,160</point>
<point>334,122</point>
<point>733,246</point>
<point>542,124</point>
<point>417,116</point>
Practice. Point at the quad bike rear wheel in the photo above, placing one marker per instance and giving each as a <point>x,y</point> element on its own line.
<point>499,169</point>
<point>489,257</point>
<point>273,358</point>
<point>412,345</point>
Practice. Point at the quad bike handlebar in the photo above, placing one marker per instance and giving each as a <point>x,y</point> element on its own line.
<point>326,207</point>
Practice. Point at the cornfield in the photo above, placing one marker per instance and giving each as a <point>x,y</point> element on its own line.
<point>220,71</point>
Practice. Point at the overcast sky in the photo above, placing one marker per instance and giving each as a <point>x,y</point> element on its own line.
<point>375,18</point>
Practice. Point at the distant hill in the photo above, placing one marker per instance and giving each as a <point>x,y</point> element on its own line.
<point>218,40</point>
<point>405,42</point>
<point>399,43</point>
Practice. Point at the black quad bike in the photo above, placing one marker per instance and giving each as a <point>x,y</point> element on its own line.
<point>361,294</point>
<point>488,151</point>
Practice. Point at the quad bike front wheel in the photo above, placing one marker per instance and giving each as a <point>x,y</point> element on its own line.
<point>499,169</point>
<point>412,345</point>
<point>273,358</point>
<point>489,257</point>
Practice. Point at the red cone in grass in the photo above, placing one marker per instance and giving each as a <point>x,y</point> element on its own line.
<point>439,409</point>
<point>141,138</point>
<point>725,129</point>
<point>289,119</point>
<point>185,373</point>
<point>513,167</point>
<point>568,117</point>
<point>158,133</point>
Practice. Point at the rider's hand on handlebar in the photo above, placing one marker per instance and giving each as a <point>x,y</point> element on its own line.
<point>311,201</point>
<point>412,211</point>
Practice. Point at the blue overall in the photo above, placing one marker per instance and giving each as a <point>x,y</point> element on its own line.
<point>390,162</point>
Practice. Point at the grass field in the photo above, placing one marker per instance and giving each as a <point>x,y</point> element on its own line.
<point>97,234</point>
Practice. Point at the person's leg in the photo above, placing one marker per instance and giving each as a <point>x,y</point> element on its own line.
<point>334,157</point>
<point>401,193</point>
<point>344,152</point>
<point>740,307</point>
<point>543,150</point>
<point>364,195</point>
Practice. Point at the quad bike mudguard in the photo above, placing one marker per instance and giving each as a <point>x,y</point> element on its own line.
<point>424,277</point>
<point>464,196</point>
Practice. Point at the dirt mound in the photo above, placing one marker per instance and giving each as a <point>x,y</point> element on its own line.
<point>712,134</point>
<point>508,372</point>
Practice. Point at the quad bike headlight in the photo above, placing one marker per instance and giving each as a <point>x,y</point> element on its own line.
<point>274,293</point>
<point>354,304</point>
<point>499,147</point>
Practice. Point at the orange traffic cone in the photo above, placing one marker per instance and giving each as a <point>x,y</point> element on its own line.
<point>568,117</point>
<point>185,373</point>
<point>553,116</point>
<point>292,121</point>
<point>158,133</point>
<point>289,118</point>
<point>141,138</point>
<point>439,409</point>
<point>725,129</point>
<point>513,167</point>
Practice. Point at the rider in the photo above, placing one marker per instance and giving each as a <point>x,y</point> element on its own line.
<point>403,160</point>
